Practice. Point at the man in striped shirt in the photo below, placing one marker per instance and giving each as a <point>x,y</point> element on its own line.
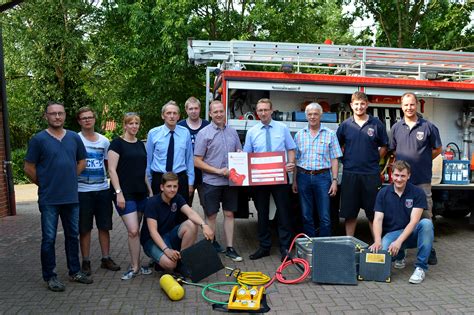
<point>315,179</point>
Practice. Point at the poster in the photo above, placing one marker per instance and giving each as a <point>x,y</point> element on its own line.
<point>252,169</point>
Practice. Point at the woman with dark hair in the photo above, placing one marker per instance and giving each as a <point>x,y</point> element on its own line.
<point>127,166</point>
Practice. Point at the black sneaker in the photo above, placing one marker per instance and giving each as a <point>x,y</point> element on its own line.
<point>80,277</point>
<point>218,247</point>
<point>232,254</point>
<point>55,285</point>
<point>108,263</point>
<point>86,267</point>
<point>432,260</point>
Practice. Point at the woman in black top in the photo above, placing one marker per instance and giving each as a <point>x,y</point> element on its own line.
<point>127,170</point>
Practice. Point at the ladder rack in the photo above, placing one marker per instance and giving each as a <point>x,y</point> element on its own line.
<point>348,60</point>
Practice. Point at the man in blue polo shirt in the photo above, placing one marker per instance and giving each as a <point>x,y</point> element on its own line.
<point>417,141</point>
<point>162,236</point>
<point>398,210</point>
<point>364,140</point>
<point>53,161</point>
<point>271,136</point>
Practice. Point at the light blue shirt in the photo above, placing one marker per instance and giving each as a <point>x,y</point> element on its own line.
<point>281,140</point>
<point>157,150</point>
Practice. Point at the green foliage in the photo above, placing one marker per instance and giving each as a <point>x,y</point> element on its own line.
<point>19,176</point>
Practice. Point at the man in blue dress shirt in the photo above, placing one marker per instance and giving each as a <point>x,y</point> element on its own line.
<point>271,136</point>
<point>170,141</point>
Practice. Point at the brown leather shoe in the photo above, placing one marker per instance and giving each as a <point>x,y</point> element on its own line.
<point>108,263</point>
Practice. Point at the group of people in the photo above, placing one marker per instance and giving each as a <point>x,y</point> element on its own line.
<point>156,182</point>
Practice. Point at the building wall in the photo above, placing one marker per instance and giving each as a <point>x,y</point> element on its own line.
<point>3,179</point>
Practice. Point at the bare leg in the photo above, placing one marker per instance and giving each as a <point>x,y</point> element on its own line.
<point>229,227</point>
<point>188,234</point>
<point>104,240</point>
<point>85,242</point>
<point>131,221</point>
<point>211,221</point>
<point>350,226</point>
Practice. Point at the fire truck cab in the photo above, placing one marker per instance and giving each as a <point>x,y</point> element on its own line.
<point>293,75</point>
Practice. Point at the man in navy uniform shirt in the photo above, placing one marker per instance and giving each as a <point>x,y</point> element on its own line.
<point>365,141</point>
<point>398,210</point>
<point>162,235</point>
<point>417,141</point>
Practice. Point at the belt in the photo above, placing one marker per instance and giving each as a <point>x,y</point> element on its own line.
<point>315,172</point>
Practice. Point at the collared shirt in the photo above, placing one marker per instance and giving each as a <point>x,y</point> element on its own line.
<point>214,144</point>
<point>361,145</point>
<point>255,140</point>
<point>316,153</point>
<point>157,149</point>
<point>415,146</point>
<point>397,209</point>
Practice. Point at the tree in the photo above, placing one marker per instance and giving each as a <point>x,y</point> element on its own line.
<point>437,24</point>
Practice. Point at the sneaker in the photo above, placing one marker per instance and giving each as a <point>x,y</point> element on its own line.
<point>108,263</point>
<point>80,277</point>
<point>218,247</point>
<point>400,264</point>
<point>55,285</point>
<point>145,271</point>
<point>232,254</point>
<point>418,276</point>
<point>432,260</point>
<point>130,274</point>
<point>86,267</point>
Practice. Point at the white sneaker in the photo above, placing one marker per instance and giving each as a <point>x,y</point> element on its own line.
<point>418,276</point>
<point>400,264</point>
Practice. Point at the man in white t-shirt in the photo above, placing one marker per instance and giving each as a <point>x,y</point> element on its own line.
<point>94,194</point>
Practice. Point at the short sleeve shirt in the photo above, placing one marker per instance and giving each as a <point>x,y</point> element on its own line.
<point>131,167</point>
<point>361,145</point>
<point>397,210</point>
<point>214,145</point>
<point>415,146</point>
<point>94,176</point>
<point>165,215</point>
<point>56,166</point>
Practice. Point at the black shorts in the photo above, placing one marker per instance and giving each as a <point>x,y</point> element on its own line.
<point>358,191</point>
<point>96,204</point>
<point>213,196</point>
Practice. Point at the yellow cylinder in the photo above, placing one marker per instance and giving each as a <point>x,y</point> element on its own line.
<point>171,287</point>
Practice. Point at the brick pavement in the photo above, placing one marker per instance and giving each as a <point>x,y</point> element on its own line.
<point>448,288</point>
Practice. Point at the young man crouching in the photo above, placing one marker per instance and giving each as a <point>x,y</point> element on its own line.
<point>162,237</point>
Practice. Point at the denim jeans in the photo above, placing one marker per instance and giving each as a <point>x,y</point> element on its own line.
<point>313,191</point>
<point>69,214</point>
<point>422,238</point>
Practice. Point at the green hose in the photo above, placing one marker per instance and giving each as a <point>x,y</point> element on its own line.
<point>210,287</point>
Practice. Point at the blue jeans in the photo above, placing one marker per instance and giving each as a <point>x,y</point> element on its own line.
<point>69,214</point>
<point>313,191</point>
<point>422,238</point>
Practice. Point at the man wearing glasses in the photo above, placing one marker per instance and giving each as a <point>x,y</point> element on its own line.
<point>94,194</point>
<point>53,161</point>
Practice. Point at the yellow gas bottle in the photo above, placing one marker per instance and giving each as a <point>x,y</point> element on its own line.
<point>171,287</point>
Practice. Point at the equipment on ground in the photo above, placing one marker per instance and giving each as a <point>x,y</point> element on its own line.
<point>375,266</point>
<point>200,261</point>
<point>171,287</point>
<point>244,298</point>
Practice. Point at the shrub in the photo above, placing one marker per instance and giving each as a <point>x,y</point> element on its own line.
<point>19,176</point>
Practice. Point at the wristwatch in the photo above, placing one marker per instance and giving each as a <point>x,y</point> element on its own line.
<point>118,191</point>
<point>335,178</point>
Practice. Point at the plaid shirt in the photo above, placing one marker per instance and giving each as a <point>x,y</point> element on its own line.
<point>316,153</point>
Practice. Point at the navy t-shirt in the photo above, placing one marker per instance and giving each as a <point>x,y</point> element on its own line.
<point>397,210</point>
<point>194,132</point>
<point>415,146</point>
<point>361,145</point>
<point>131,168</point>
<point>56,166</point>
<point>165,215</point>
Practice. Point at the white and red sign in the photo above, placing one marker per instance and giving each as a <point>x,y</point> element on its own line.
<point>252,169</point>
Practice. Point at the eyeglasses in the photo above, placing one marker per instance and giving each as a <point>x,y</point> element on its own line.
<point>56,114</point>
<point>87,118</point>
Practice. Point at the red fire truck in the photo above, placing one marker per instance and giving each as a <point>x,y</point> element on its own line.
<point>293,75</point>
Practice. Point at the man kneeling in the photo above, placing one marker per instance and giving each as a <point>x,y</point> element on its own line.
<point>162,237</point>
<point>398,210</point>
